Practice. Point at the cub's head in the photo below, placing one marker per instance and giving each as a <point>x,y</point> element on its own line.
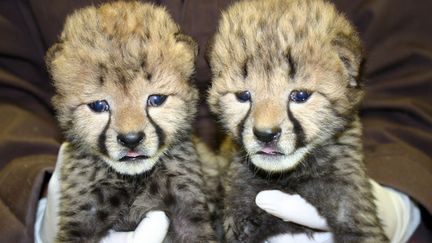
<point>122,74</point>
<point>285,78</point>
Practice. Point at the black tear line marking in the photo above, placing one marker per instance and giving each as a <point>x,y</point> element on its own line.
<point>159,131</point>
<point>240,127</point>
<point>102,137</point>
<point>298,129</point>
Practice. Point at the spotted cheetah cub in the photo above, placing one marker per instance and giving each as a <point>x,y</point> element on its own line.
<point>125,102</point>
<point>286,87</point>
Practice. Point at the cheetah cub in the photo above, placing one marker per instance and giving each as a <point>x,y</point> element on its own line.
<point>125,102</point>
<point>286,87</point>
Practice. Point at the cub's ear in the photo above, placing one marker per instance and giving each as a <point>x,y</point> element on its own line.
<point>350,53</point>
<point>51,54</point>
<point>189,41</point>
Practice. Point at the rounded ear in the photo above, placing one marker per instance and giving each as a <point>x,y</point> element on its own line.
<point>52,54</point>
<point>351,55</point>
<point>189,41</point>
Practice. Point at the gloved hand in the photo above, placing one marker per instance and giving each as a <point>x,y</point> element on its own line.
<point>400,216</point>
<point>152,228</point>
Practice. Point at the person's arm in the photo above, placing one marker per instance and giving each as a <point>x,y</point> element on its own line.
<point>397,108</point>
<point>28,135</point>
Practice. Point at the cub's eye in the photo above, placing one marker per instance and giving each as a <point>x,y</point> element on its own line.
<point>243,96</point>
<point>99,106</point>
<point>156,100</point>
<point>299,96</point>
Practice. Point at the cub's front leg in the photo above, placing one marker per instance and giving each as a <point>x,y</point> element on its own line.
<point>190,224</point>
<point>86,214</point>
<point>89,203</point>
<point>189,217</point>
<point>247,223</point>
<point>245,228</point>
<point>185,204</point>
<point>349,209</point>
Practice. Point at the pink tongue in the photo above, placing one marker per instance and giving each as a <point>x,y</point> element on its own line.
<point>268,151</point>
<point>132,154</point>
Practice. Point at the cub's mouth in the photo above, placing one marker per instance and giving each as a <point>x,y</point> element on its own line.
<point>132,162</point>
<point>275,160</point>
<point>133,156</point>
<point>269,151</point>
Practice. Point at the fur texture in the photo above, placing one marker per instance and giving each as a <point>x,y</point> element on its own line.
<point>286,87</point>
<point>126,103</point>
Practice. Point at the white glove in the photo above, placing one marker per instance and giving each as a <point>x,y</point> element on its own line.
<point>398,213</point>
<point>152,228</point>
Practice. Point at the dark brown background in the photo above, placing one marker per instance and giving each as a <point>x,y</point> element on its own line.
<point>397,111</point>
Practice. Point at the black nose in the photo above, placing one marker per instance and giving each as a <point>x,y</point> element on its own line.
<point>130,140</point>
<point>267,135</point>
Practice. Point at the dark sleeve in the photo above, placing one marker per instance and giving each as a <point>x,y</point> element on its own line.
<point>28,136</point>
<point>397,109</point>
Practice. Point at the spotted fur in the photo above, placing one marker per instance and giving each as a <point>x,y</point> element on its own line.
<point>122,53</point>
<point>273,49</point>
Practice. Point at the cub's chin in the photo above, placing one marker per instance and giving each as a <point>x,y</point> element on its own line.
<point>136,165</point>
<point>279,162</point>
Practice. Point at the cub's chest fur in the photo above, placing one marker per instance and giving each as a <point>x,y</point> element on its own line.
<point>342,197</point>
<point>95,197</point>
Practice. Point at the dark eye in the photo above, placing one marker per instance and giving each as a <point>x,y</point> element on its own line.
<point>99,106</point>
<point>156,100</point>
<point>299,96</point>
<point>243,96</point>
